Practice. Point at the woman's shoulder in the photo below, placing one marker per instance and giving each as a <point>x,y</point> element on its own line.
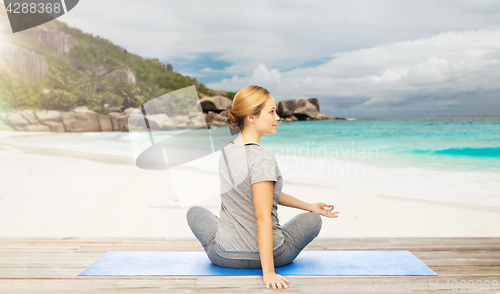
<point>252,152</point>
<point>259,154</point>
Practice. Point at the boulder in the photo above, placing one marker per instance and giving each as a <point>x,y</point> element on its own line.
<point>218,124</point>
<point>179,119</point>
<point>114,120</point>
<point>29,65</point>
<point>200,119</point>
<point>181,126</point>
<point>68,121</point>
<point>197,122</point>
<point>156,121</point>
<point>207,118</point>
<point>100,70</point>
<point>49,34</point>
<point>115,109</point>
<point>36,128</point>
<point>314,101</point>
<point>29,115</point>
<point>216,103</point>
<point>48,115</point>
<point>54,126</point>
<point>170,67</point>
<point>120,76</point>
<point>58,41</point>
<point>215,117</point>
<point>320,116</point>
<point>305,109</point>
<point>129,111</point>
<point>169,125</point>
<point>198,125</point>
<point>4,127</point>
<point>220,93</point>
<point>286,107</point>
<point>123,121</point>
<point>105,123</point>
<point>81,120</point>
<point>329,117</point>
<point>87,122</point>
<point>195,114</point>
<point>16,120</point>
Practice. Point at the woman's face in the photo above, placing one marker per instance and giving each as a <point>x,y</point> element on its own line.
<point>267,122</point>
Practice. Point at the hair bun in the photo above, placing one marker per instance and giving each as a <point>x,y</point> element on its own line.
<point>232,118</point>
<point>234,121</point>
<point>234,129</point>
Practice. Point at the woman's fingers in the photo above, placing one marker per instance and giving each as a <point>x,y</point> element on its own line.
<point>333,214</point>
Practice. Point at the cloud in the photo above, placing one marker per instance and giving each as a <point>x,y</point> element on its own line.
<point>260,76</point>
<point>393,75</point>
<point>378,53</point>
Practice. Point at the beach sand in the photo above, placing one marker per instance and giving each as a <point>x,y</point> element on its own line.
<point>62,193</point>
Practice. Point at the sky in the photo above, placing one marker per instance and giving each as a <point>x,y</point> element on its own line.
<point>357,57</point>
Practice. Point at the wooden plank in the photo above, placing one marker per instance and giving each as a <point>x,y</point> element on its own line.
<point>27,266</point>
<point>88,244</point>
<point>349,241</point>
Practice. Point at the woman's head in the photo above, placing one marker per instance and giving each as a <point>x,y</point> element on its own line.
<point>253,107</point>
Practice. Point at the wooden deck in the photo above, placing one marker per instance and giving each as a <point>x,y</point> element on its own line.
<point>52,266</point>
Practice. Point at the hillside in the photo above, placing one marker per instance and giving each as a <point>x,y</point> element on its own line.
<point>63,68</point>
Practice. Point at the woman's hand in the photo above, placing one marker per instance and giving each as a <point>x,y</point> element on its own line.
<point>320,209</point>
<point>273,279</point>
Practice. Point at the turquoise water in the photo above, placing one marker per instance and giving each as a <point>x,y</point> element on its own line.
<point>444,157</point>
<point>441,141</point>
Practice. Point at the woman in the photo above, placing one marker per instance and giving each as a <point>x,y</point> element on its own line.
<point>248,233</point>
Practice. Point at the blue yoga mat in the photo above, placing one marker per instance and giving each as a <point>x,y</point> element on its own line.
<point>308,263</point>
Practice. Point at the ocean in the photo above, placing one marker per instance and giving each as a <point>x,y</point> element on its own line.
<point>444,157</point>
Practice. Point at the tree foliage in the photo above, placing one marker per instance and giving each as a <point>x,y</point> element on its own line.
<point>78,78</point>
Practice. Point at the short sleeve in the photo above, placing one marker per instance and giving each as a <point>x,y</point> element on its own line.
<point>264,168</point>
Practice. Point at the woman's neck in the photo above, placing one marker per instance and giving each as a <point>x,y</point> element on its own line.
<point>245,138</point>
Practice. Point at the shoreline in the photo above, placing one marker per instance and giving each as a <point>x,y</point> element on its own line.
<point>124,160</point>
<point>59,195</point>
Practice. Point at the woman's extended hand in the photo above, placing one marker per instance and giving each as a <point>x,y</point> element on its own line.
<point>319,208</point>
<point>273,279</point>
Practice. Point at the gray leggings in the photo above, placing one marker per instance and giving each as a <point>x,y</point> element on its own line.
<point>298,232</point>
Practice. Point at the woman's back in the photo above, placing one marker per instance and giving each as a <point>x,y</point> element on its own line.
<point>239,168</point>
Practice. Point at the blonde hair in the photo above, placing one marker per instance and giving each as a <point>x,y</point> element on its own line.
<point>247,101</point>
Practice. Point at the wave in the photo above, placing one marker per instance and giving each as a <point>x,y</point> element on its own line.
<point>350,118</point>
<point>467,151</point>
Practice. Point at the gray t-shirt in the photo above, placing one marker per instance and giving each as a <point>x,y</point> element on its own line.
<point>236,235</point>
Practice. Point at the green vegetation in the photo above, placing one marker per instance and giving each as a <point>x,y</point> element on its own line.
<point>73,80</point>
<point>231,95</point>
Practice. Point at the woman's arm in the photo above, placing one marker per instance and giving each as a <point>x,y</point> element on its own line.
<point>263,195</point>
<point>263,202</point>
<point>287,200</point>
